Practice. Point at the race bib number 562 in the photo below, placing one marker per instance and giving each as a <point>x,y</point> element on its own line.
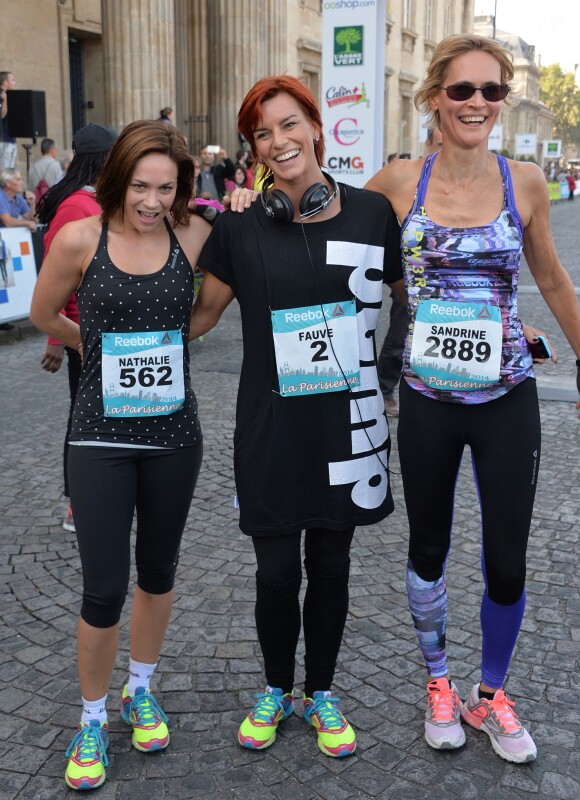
<point>142,373</point>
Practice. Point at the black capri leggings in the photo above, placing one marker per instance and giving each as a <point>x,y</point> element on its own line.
<point>504,437</point>
<point>107,485</point>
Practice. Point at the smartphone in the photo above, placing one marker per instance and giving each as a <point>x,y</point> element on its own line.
<point>213,148</point>
<point>540,349</point>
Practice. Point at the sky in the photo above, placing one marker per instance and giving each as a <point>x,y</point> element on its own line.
<point>553,26</point>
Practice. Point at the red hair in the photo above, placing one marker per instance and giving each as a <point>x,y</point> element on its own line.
<point>250,113</point>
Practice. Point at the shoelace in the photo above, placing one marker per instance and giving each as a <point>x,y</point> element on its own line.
<point>441,703</point>
<point>146,709</point>
<point>330,717</point>
<point>90,742</point>
<point>501,709</point>
<point>267,706</point>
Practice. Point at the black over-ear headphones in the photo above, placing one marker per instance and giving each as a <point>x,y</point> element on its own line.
<point>315,199</point>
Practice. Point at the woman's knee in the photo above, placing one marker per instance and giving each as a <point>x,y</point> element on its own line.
<point>102,609</point>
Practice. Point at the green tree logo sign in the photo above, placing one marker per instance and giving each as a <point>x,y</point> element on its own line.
<point>348,46</point>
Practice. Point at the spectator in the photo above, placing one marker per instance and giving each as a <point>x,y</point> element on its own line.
<point>14,210</point>
<point>571,185</point>
<point>7,142</point>
<point>71,199</point>
<point>166,115</point>
<point>240,180</point>
<point>210,182</point>
<point>243,158</point>
<point>46,170</point>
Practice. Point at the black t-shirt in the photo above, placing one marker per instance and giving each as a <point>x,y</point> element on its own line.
<point>308,460</point>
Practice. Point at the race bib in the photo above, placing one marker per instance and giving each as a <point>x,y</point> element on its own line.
<point>142,373</point>
<point>316,348</point>
<point>457,346</point>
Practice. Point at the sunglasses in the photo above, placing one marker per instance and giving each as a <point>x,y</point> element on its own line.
<point>493,92</point>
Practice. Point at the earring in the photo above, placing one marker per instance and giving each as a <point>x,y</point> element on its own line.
<point>316,139</point>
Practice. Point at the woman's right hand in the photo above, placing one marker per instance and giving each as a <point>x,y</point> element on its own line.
<point>52,358</point>
<point>241,199</point>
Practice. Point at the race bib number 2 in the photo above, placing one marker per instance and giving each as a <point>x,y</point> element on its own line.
<point>457,346</point>
<point>142,373</point>
<point>316,348</point>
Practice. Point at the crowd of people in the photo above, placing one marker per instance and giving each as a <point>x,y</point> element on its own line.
<point>306,259</point>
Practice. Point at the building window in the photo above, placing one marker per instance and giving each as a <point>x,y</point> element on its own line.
<point>448,17</point>
<point>408,14</point>
<point>430,13</point>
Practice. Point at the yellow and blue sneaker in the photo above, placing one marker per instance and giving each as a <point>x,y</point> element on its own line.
<point>335,736</point>
<point>148,719</point>
<point>88,756</point>
<point>258,730</point>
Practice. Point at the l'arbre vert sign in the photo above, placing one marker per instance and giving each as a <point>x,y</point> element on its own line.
<point>348,46</point>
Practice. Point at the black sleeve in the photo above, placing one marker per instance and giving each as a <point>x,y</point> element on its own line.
<point>393,267</point>
<point>229,168</point>
<point>215,256</point>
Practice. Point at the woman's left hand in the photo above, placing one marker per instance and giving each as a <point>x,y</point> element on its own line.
<point>531,333</point>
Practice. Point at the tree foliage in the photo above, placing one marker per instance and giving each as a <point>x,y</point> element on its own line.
<point>348,36</point>
<point>559,92</point>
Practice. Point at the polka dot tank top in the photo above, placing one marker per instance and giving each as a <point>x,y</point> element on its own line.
<point>113,301</point>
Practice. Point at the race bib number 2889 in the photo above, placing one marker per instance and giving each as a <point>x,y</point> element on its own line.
<point>142,373</point>
<point>457,345</point>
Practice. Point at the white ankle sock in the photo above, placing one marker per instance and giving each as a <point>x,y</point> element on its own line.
<point>94,709</point>
<point>139,675</point>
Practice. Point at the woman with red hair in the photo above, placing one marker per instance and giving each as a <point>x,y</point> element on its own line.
<point>307,264</point>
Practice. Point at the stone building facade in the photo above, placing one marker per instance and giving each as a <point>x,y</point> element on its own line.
<point>525,112</point>
<point>114,61</point>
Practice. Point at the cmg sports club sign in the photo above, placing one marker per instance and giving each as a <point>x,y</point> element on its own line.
<point>353,78</point>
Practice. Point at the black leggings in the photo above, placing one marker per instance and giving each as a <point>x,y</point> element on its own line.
<point>107,485</point>
<point>504,437</point>
<point>278,582</point>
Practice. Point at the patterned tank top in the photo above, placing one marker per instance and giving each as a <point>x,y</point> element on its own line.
<point>465,343</point>
<point>135,388</point>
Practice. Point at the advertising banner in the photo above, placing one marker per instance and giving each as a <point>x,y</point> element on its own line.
<point>353,78</point>
<point>552,148</point>
<point>526,144</point>
<point>17,273</point>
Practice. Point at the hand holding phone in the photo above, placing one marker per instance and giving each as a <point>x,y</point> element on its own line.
<point>540,349</point>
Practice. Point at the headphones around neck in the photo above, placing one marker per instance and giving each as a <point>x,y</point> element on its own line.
<point>315,199</point>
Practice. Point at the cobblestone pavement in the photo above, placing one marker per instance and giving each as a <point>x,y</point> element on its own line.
<point>210,664</point>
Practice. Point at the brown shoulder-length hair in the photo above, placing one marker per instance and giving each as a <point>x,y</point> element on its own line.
<point>250,112</point>
<point>443,55</point>
<point>136,140</point>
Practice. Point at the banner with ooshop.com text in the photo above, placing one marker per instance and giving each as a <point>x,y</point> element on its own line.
<point>353,79</point>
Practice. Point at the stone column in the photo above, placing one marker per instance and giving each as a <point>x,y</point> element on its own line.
<point>248,42</point>
<point>139,56</point>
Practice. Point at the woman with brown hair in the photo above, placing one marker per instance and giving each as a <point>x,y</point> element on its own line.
<point>466,216</point>
<point>135,433</point>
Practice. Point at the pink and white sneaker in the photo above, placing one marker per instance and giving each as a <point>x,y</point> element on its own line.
<point>498,719</point>
<point>443,729</point>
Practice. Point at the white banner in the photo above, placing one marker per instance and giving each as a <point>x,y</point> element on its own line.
<point>526,144</point>
<point>495,141</point>
<point>17,273</point>
<point>552,148</point>
<point>353,79</point>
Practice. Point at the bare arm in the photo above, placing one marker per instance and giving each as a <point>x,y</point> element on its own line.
<point>22,222</point>
<point>4,97</point>
<point>60,275</point>
<point>552,279</point>
<point>212,300</point>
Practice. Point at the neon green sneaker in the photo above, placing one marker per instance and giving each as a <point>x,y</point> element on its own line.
<point>335,736</point>
<point>258,730</point>
<point>148,719</point>
<point>88,756</point>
